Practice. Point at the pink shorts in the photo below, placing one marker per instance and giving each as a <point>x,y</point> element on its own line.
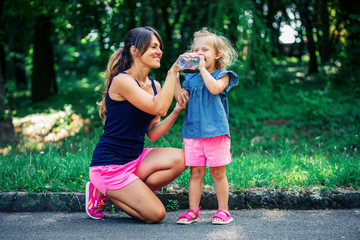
<point>214,151</point>
<point>116,176</point>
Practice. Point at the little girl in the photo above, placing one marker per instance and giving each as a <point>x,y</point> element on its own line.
<point>205,130</point>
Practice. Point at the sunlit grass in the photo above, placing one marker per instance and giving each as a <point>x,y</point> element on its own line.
<point>62,167</point>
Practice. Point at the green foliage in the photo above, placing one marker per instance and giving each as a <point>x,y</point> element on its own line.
<point>314,104</point>
<point>173,205</point>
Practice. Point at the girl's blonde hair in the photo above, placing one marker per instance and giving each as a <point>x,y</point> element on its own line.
<point>221,45</point>
<point>122,59</point>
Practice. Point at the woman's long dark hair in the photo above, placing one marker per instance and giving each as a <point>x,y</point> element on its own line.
<point>122,59</point>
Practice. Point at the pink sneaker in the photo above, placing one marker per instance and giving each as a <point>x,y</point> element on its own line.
<point>93,203</point>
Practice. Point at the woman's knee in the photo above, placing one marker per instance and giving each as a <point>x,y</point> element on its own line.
<point>179,158</point>
<point>156,215</point>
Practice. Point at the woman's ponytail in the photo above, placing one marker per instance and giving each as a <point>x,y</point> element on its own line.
<point>118,62</point>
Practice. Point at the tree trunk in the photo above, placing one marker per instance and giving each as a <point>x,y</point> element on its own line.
<point>2,40</point>
<point>300,46</point>
<point>325,28</point>
<point>7,134</point>
<point>2,56</point>
<point>130,7</point>
<point>43,76</point>
<point>20,74</point>
<point>274,33</point>
<point>350,64</point>
<point>306,21</point>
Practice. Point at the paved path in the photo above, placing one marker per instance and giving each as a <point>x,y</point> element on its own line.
<point>251,224</point>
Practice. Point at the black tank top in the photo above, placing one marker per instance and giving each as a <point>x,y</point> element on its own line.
<point>124,132</point>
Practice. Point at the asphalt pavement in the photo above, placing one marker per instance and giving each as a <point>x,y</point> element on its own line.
<point>248,224</point>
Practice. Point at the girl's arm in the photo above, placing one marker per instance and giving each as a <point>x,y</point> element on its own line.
<point>158,128</point>
<point>214,86</point>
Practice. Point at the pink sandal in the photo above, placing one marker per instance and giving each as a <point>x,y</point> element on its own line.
<point>189,217</point>
<point>226,218</point>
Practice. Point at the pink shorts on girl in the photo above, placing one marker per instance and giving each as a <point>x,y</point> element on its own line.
<point>116,176</point>
<point>214,151</point>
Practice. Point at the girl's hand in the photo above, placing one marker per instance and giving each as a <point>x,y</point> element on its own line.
<point>182,100</point>
<point>202,62</point>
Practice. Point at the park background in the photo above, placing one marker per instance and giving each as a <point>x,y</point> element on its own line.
<point>294,116</point>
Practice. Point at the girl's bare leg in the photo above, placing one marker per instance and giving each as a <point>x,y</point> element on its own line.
<point>195,188</point>
<point>221,187</point>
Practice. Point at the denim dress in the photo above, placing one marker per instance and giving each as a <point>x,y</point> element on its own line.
<point>207,114</point>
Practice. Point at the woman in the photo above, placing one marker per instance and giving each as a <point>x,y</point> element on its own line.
<point>121,170</point>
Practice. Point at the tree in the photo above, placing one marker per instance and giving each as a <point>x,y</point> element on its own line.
<point>7,134</point>
<point>2,41</point>
<point>43,76</point>
<point>17,28</point>
<point>307,23</point>
<point>260,47</point>
<point>325,28</point>
<point>350,63</point>
<point>19,22</point>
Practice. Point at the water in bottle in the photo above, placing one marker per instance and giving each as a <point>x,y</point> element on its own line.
<point>188,62</point>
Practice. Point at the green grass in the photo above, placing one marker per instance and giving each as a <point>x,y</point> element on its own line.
<point>59,168</point>
<point>299,133</point>
<point>65,168</point>
<point>290,167</point>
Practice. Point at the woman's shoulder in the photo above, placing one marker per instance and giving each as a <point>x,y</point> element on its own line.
<point>123,82</point>
<point>122,76</point>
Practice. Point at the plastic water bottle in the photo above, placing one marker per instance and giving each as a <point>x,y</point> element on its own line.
<point>188,62</point>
